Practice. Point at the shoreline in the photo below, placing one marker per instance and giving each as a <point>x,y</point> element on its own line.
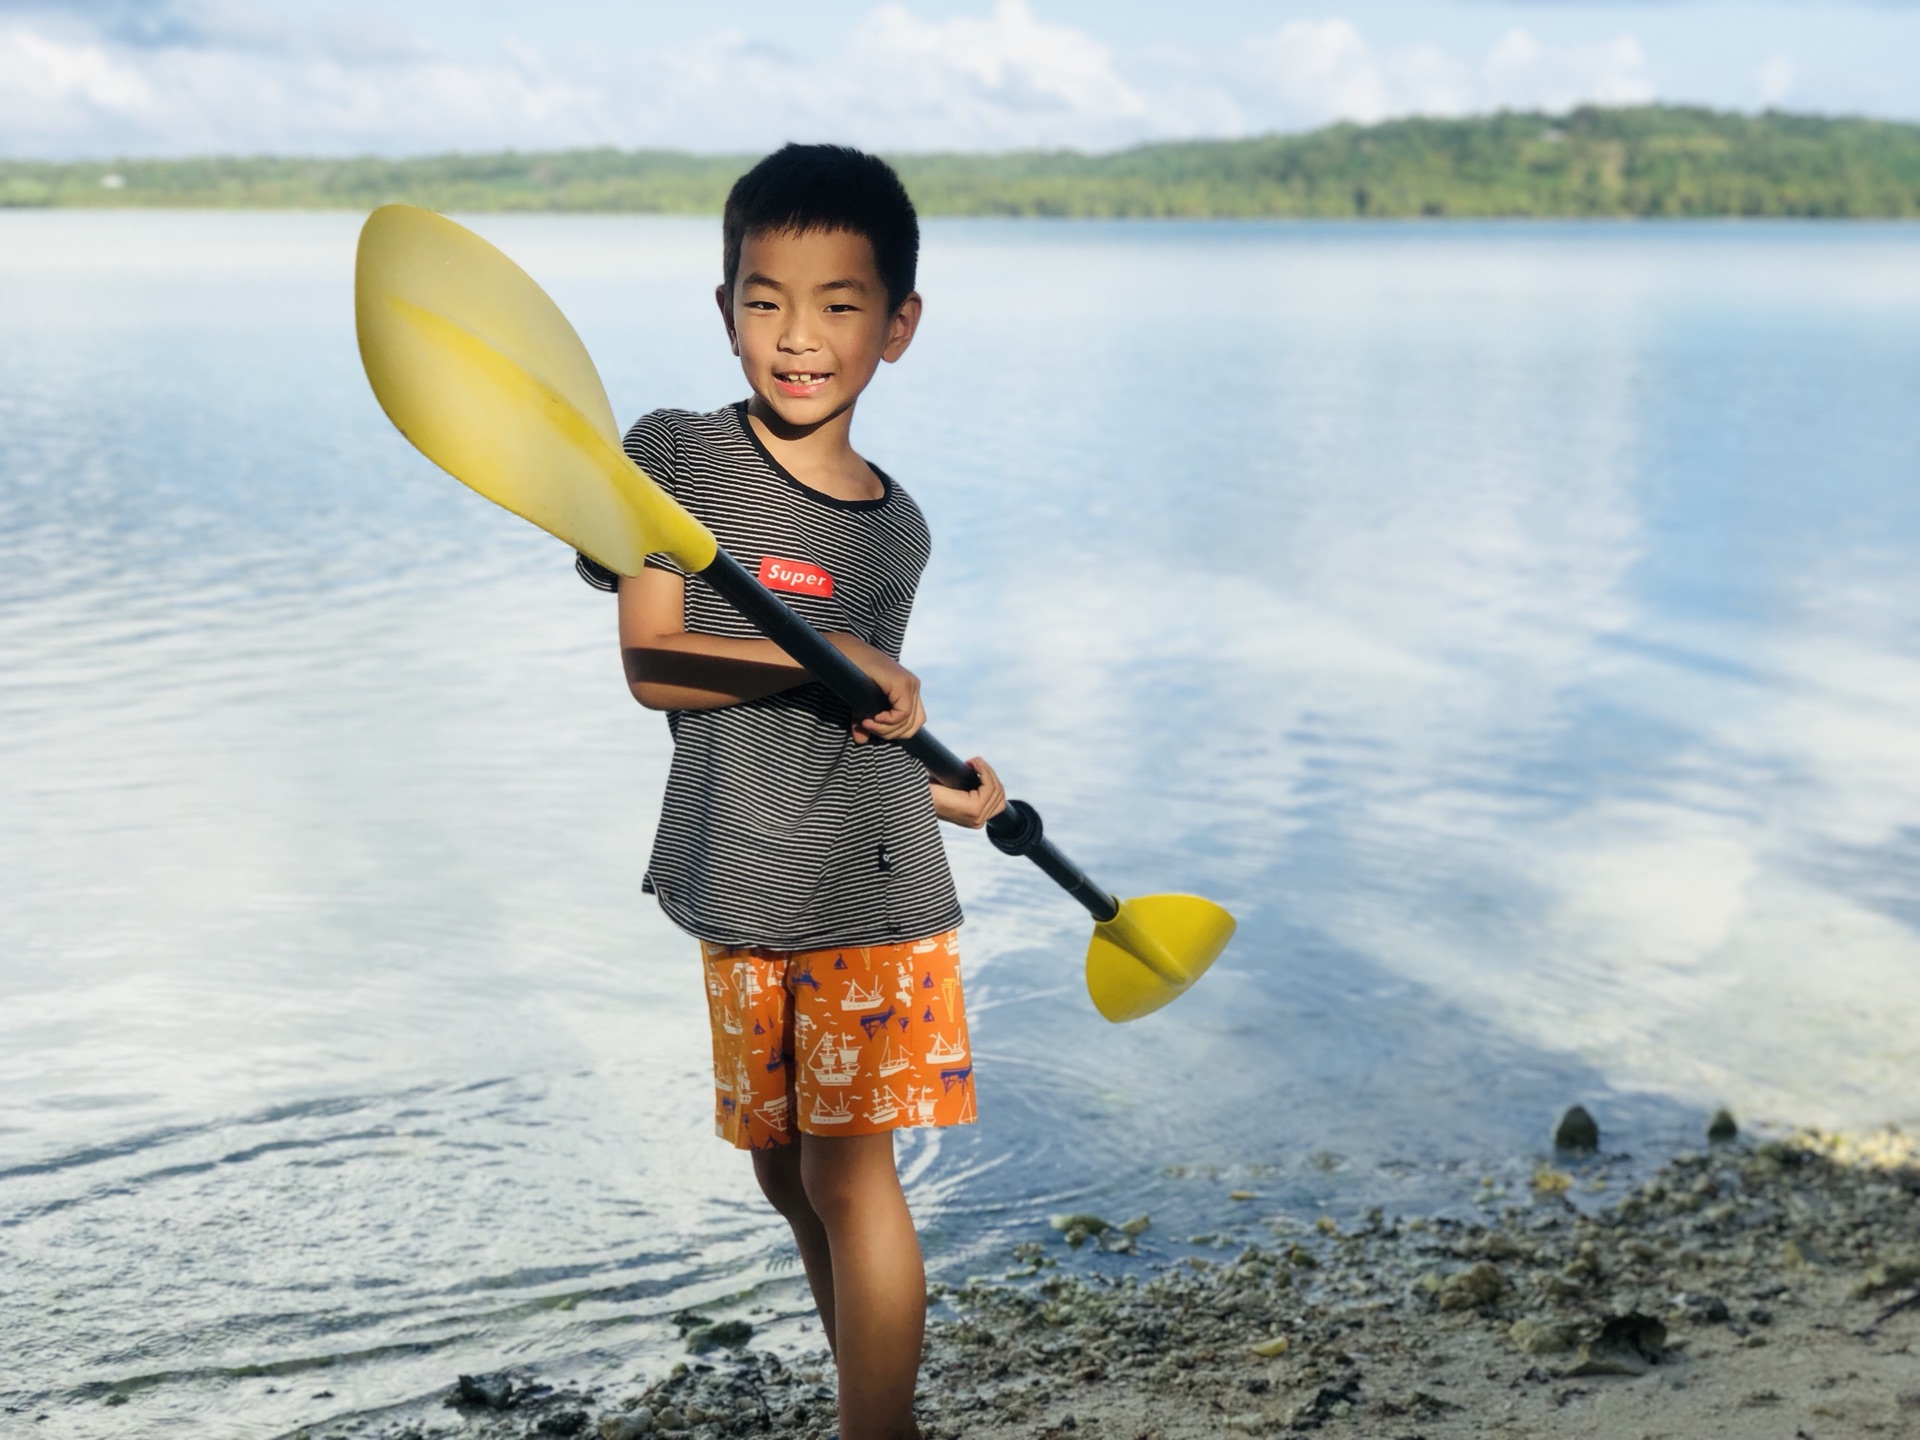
<point>1743,1290</point>
<point>1591,160</point>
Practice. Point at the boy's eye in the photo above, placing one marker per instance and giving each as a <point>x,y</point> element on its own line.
<point>760,305</point>
<point>841,307</point>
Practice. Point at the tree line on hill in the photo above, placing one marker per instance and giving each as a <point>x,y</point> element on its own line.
<point>1643,161</point>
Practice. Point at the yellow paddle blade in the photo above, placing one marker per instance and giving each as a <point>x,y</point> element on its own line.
<point>481,371</point>
<point>1152,952</point>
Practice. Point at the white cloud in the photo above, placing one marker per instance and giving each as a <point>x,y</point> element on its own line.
<point>55,88</point>
<point>1319,70</point>
<point>972,75</point>
<point>201,77</point>
<point>1774,79</point>
<point>998,80</point>
<point>227,76</point>
<point>92,95</point>
<point>1311,72</point>
<point>1521,73</point>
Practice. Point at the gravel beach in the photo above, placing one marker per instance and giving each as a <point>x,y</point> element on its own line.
<point>1744,1290</point>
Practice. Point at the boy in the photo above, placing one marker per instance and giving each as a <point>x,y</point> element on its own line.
<point>799,847</point>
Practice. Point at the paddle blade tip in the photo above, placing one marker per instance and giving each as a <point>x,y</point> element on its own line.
<point>1152,952</point>
<point>477,367</point>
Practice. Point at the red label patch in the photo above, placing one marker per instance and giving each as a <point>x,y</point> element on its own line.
<point>796,577</point>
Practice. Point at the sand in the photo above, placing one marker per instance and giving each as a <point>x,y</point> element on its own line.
<point>1742,1292</point>
<point>1745,1290</point>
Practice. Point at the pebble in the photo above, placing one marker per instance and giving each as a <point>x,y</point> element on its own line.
<point>1078,1228</point>
<point>1470,1289</point>
<point>1534,1336</point>
<point>1803,1255</point>
<point>1092,1224</point>
<point>493,1391</point>
<point>1889,1275</point>
<point>630,1426</point>
<point>729,1333</point>
<point>1577,1131</point>
<point>1722,1128</point>
<point>1549,1181</point>
<point>1627,1344</point>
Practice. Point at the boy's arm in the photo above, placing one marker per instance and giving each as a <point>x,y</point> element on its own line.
<point>670,669</point>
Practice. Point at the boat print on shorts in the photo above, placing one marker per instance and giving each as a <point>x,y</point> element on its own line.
<point>893,1058</point>
<point>944,1051</point>
<point>834,1061</point>
<point>849,1041</point>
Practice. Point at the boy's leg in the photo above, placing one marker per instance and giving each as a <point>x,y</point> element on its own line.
<point>778,1171</point>
<point>879,1282</point>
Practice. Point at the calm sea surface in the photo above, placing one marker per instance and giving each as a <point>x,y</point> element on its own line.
<point>1517,626</point>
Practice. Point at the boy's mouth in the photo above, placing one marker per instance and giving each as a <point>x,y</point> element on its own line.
<point>801,383</point>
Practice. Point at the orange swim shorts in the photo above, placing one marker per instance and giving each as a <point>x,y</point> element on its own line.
<point>850,1040</point>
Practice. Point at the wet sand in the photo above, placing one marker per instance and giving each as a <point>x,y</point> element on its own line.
<point>1745,1290</point>
<point>1742,1292</point>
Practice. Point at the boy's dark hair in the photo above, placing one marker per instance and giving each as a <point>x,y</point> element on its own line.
<point>800,188</point>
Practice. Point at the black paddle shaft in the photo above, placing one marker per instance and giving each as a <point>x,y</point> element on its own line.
<point>1016,830</point>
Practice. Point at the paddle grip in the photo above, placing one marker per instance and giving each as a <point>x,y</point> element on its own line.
<point>1014,831</point>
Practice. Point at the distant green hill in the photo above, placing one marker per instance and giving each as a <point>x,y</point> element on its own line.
<point>1649,161</point>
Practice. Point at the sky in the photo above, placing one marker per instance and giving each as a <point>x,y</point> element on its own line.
<point>103,78</point>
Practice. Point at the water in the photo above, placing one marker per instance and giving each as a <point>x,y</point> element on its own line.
<point>1515,625</point>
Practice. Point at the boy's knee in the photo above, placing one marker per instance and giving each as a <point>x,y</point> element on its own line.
<point>831,1194</point>
<point>845,1174</point>
<point>778,1172</point>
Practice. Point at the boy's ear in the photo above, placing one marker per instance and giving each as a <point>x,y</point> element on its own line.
<point>901,328</point>
<point>723,300</point>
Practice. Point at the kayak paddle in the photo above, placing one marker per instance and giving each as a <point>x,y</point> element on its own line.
<point>480,370</point>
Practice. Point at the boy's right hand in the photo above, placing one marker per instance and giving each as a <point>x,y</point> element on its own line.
<point>904,713</point>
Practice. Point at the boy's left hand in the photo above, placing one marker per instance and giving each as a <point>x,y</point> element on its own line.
<point>904,713</point>
<point>971,808</point>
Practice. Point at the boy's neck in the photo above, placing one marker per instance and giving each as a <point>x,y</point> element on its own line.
<point>819,456</point>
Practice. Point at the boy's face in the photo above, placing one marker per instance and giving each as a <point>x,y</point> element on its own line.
<point>809,319</point>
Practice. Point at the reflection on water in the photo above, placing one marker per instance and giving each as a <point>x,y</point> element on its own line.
<point>1514,625</point>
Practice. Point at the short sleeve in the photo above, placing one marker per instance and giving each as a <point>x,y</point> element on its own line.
<point>654,445</point>
<point>594,573</point>
<point>651,445</point>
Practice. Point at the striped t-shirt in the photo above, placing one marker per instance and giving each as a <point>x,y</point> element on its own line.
<point>777,829</point>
